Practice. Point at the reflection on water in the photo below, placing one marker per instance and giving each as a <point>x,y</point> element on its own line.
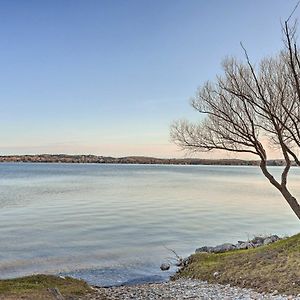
<point>111,223</point>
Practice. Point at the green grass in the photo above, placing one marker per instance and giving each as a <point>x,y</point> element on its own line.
<point>266,269</point>
<point>37,287</point>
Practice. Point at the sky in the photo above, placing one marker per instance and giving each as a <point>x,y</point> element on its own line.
<point>109,77</point>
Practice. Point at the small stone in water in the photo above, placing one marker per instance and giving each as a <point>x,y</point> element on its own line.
<point>165,267</point>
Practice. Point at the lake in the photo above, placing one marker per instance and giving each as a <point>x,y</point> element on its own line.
<point>112,224</point>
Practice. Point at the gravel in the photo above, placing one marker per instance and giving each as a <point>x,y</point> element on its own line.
<point>185,289</point>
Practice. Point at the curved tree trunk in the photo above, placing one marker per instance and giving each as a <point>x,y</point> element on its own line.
<point>292,201</point>
<point>282,188</point>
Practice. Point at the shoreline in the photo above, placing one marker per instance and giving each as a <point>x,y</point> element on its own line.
<point>195,279</point>
<point>214,262</point>
<point>178,289</point>
<point>186,288</point>
<point>141,160</point>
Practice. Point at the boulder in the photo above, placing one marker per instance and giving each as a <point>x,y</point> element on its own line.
<point>186,261</point>
<point>271,239</point>
<point>224,248</point>
<point>165,267</point>
<point>268,241</point>
<point>207,249</point>
<point>257,245</point>
<point>274,238</point>
<point>182,262</point>
<point>246,245</point>
<point>257,241</point>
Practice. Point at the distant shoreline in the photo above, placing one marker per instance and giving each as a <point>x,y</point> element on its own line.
<point>65,158</point>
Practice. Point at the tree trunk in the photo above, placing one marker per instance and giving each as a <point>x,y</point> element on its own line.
<point>292,201</point>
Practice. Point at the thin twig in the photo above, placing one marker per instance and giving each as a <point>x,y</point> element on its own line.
<point>293,11</point>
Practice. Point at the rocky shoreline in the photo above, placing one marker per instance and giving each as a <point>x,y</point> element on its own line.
<point>257,241</point>
<point>184,289</point>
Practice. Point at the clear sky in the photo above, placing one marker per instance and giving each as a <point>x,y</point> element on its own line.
<point>109,77</point>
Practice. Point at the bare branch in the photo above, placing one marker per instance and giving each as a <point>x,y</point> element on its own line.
<point>287,20</point>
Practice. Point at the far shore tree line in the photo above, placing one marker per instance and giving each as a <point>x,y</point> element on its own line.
<point>250,106</point>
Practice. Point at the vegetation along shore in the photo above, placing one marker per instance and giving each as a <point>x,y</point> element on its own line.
<point>65,158</point>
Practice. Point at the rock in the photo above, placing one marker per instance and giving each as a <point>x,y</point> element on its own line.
<point>274,238</point>
<point>180,262</point>
<point>258,240</point>
<point>255,242</point>
<point>268,241</point>
<point>207,249</point>
<point>216,274</point>
<point>224,248</point>
<point>275,293</point>
<point>165,267</point>
<point>246,245</point>
<point>218,249</point>
<point>185,261</point>
<point>258,244</point>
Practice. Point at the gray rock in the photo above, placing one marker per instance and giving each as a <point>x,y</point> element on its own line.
<point>271,239</point>
<point>185,261</point>
<point>165,267</point>
<point>207,249</point>
<point>181,262</point>
<point>274,238</point>
<point>257,241</point>
<point>268,241</point>
<point>257,244</point>
<point>246,245</point>
<point>224,248</point>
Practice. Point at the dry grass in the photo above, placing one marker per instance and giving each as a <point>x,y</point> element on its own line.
<point>267,268</point>
<point>37,287</point>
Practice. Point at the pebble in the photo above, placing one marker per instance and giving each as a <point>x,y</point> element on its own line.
<point>185,289</point>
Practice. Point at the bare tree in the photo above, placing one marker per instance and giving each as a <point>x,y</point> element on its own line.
<point>250,106</point>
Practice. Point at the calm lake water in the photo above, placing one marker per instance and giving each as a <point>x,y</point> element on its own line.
<point>111,224</point>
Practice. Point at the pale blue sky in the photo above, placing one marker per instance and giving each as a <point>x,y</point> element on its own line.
<point>109,77</point>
